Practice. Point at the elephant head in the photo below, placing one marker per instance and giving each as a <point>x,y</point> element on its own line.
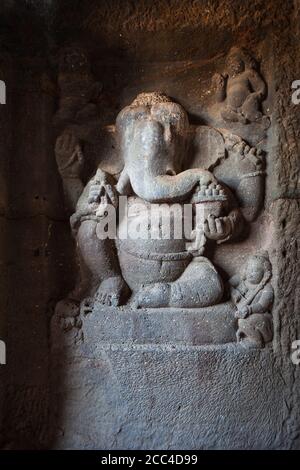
<point>152,137</point>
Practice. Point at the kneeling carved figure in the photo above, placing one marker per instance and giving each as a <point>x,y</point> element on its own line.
<point>253,294</point>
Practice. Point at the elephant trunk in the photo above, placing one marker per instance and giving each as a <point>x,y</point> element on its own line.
<point>149,165</point>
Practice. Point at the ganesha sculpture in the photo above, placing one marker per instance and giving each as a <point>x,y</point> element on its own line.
<point>149,271</point>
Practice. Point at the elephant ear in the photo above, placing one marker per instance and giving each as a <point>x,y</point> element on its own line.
<point>234,163</point>
<point>207,148</point>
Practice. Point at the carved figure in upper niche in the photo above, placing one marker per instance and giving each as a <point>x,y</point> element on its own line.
<point>75,120</point>
<point>253,295</point>
<point>79,91</point>
<point>241,89</point>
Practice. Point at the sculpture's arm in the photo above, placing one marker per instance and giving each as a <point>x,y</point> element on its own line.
<point>98,193</point>
<point>70,160</point>
<point>248,182</point>
<point>235,280</point>
<point>262,306</point>
<point>265,301</point>
<point>83,209</point>
<point>166,188</point>
<point>179,186</point>
<point>222,229</point>
<point>237,223</point>
<point>258,84</point>
<point>219,85</point>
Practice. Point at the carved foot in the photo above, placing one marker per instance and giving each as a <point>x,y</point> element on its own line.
<point>112,292</point>
<point>153,296</point>
<point>199,286</point>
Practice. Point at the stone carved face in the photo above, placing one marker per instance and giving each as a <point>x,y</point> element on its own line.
<point>170,116</point>
<point>256,269</point>
<point>238,60</point>
<point>235,64</point>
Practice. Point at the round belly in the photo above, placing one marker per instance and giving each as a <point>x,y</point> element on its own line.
<point>137,271</point>
<point>152,246</point>
<point>237,94</point>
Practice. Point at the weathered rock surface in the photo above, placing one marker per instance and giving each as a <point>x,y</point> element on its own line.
<point>163,395</point>
<point>140,395</point>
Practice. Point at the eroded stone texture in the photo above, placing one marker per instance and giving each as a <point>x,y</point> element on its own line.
<point>241,89</point>
<point>206,390</point>
<point>139,394</point>
<point>153,269</point>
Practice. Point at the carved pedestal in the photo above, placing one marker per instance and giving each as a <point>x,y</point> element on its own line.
<point>125,379</point>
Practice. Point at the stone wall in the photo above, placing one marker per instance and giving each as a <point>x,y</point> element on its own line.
<point>137,46</point>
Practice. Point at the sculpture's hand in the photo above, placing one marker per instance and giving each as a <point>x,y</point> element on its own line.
<point>252,154</point>
<point>258,95</point>
<point>217,228</point>
<point>235,295</point>
<point>197,243</point>
<point>243,312</point>
<point>206,178</point>
<point>68,154</point>
<point>102,193</point>
<point>84,211</point>
<point>95,193</point>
